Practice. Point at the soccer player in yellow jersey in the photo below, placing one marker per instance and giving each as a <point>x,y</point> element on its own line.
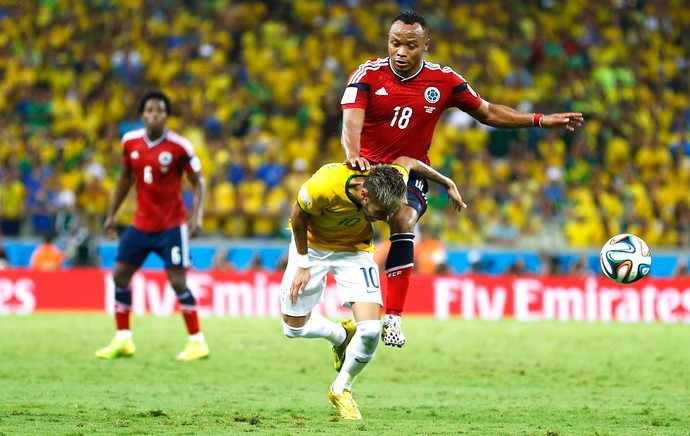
<point>332,231</point>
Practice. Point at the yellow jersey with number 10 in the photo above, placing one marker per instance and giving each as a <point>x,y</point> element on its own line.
<point>336,221</point>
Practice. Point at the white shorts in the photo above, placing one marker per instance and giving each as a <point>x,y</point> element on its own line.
<point>356,277</point>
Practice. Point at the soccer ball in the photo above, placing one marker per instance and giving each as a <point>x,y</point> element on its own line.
<point>625,258</point>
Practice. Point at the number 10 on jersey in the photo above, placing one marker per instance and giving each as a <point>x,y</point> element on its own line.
<point>371,279</point>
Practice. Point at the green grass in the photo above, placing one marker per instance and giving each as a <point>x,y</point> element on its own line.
<point>453,377</point>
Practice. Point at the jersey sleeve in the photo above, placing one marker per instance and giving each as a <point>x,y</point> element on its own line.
<point>356,93</point>
<point>312,197</point>
<point>189,159</point>
<point>193,164</point>
<point>309,199</point>
<point>464,97</point>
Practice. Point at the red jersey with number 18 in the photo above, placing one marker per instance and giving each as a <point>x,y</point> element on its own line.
<point>158,167</point>
<point>401,113</point>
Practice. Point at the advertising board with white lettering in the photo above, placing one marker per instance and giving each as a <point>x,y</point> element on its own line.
<point>591,299</point>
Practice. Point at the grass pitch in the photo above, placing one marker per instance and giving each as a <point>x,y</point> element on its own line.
<point>453,377</point>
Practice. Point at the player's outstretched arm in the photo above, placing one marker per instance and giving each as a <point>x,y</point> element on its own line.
<point>353,123</point>
<point>565,120</point>
<point>504,117</point>
<point>423,170</point>
<point>124,183</point>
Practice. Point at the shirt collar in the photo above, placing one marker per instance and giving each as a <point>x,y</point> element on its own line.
<point>152,144</point>
<point>405,79</point>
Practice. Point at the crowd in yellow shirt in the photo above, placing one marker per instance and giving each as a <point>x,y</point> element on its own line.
<point>256,86</point>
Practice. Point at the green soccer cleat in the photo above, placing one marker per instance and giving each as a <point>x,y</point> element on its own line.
<point>194,351</point>
<point>347,408</point>
<point>339,352</point>
<point>117,348</point>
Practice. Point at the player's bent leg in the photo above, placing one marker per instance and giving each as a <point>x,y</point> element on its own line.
<point>313,325</point>
<point>340,351</point>
<point>123,344</point>
<point>399,266</point>
<point>360,353</point>
<point>316,326</point>
<point>400,260</point>
<point>196,347</point>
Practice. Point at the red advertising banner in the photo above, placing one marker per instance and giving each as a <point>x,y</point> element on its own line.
<point>589,299</point>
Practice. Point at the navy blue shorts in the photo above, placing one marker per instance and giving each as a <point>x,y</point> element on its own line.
<point>416,194</point>
<point>171,245</point>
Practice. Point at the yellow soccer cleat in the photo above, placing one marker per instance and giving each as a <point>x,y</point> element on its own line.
<point>339,352</point>
<point>194,351</point>
<point>117,348</point>
<point>347,408</point>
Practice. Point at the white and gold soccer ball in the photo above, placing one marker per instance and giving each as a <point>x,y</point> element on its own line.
<point>625,258</point>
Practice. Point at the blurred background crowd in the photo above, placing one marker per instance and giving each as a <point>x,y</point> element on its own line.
<point>256,86</point>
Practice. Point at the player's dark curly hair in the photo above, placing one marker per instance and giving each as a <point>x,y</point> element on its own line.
<point>411,17</point>
<point>387,188</point>
<point>158,95</point>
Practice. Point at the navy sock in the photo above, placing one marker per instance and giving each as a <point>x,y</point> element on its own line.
<point>186,298</point>
<point>123,296</point>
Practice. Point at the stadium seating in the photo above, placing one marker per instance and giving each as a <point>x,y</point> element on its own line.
<point>71,81</point>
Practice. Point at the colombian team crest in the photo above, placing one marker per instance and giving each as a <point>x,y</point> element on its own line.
<point>432,94</point>
<point>165,158</point>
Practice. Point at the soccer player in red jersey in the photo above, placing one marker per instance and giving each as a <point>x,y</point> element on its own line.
<point>390,109</point>
<point>154,159</point>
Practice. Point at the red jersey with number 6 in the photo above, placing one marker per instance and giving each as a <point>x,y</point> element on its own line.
<point>158,167</point>
<point>401,113</point>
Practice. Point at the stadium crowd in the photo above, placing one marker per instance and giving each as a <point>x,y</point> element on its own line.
<point>256,86</point>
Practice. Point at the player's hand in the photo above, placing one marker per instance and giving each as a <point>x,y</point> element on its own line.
<point>454,196</point>
<point>299,282</point>
<point>193,227</point>
<point>358,163</point>
<point>110,228</point>
<point>566,120</point>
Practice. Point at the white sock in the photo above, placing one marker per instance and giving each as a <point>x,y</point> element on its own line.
<point>317,327</point>
<point>198,337</point>
<point>358,355</point>
<point>122,335</point>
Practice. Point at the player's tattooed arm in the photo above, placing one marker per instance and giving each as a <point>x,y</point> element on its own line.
<point>504,117</point>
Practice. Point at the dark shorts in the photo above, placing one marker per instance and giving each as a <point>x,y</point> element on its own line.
<point>172,245</point>
<point>416,194</point>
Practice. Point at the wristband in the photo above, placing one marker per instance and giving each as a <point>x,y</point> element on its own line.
<point>536,120</point>
<point>303,261</point>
